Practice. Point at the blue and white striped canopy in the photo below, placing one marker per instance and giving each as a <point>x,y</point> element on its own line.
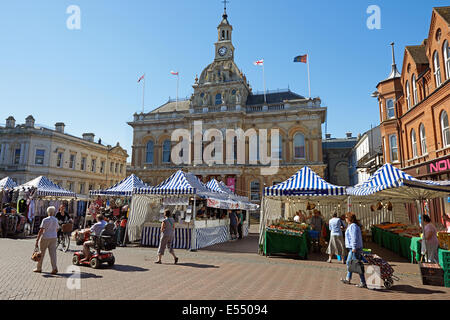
<point>122,188</point>
<point>391,182</point>
<point>7,183</point>
<point>179,183</point>
<point>46,187</point>
<point>220,187</point>
<point>305,183</point>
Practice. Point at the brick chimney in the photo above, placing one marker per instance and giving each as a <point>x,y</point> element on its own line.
<point>59,127</point>
<point>348,134</point>
<point>29,122</point>
<point>88,137</point>
<point>10,122</point>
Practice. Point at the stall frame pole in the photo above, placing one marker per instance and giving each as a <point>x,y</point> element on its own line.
<point>419,203</point>
<point>194,235</point>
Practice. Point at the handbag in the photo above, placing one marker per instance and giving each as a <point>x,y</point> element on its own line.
<point>37,255</point>
<point>356,266</point>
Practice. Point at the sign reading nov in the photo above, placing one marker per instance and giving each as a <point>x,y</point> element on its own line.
<point>439,165</point>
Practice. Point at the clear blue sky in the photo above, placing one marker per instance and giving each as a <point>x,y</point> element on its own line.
<point>88,78</point>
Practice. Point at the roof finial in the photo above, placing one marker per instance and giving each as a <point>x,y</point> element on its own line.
<point>394,72</point>
<point>393,56</point>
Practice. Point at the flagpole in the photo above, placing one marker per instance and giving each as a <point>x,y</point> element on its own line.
<point>309,83</point>
<point>264,80</point>
<point>178,78</point>
<point>143,94</point>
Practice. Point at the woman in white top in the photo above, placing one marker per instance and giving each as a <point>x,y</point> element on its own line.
<point>47,236</point>
<point>337,244</point>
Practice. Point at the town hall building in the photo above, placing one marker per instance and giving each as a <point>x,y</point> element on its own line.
<point>223,99</point>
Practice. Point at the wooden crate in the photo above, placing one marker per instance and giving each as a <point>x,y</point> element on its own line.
<point>432,274</point>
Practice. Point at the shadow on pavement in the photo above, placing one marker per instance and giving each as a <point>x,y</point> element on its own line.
<point>196,265</point>
<point>412,290</point>
<point>248,244</point>
<point>83,275</point>
<point>125,268</point>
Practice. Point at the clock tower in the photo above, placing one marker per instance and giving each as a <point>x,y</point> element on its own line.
<point>224,47</point>
<point>221,84</point>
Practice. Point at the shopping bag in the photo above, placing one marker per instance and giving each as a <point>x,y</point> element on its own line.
<point>36,256</point>
<point>356,266</point>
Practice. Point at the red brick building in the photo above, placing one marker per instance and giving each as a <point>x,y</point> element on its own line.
<point>414,109</point>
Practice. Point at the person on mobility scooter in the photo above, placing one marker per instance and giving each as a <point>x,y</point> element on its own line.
<point>103,238</point>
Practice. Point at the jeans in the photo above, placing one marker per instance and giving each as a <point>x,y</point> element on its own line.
<point>354,256</point>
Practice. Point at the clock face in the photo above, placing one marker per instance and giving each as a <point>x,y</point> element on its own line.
<point>222,51</point>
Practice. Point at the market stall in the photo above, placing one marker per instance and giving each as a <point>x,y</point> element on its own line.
<point>32,200</point>
<point>305,190</point>
<point>181,193</point>
<point>390,186</point>
<point>115,201</point>
<point>243,203</point>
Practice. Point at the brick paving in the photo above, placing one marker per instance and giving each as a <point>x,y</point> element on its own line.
<point>231,271</point>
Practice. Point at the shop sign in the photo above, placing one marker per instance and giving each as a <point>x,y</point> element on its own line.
<point>439,166</point>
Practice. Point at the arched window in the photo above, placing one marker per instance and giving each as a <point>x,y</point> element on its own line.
<point>437,69</point>
<point>223,34</point>
<point>446,53</point>
<point>228,35</point>
<point>393,147</point>
<point>149,152</point>
<point>255,190</point>
<point>445,129</point>
<point>414,143</point>
<point>277,152</point>
<point>166,151</point>
<point>218,99</point>
<point>390,109</point>
<point>408,95</point>
<point>423,141</point>
<point>414,86</point>
<point>299,146</point>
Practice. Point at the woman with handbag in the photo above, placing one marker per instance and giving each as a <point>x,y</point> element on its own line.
<point>47,236</point>
<point>354,245</point>
<point>167,237</point>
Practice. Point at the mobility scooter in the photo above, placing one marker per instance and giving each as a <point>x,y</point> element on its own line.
<point>106,241</point>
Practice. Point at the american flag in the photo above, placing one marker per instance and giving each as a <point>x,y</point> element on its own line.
<point>141,78</point>
<point>174,73</point>
<point>259,62</point>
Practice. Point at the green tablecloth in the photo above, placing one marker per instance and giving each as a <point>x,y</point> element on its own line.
<point>394,242</point>
<point>416,247</point>
<point>282,243</point>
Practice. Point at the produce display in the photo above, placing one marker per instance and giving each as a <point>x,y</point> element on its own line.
<point>401,229</point>
<point>289,228</point>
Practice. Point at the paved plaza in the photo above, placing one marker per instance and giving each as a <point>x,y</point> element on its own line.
<point>230,271</point>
